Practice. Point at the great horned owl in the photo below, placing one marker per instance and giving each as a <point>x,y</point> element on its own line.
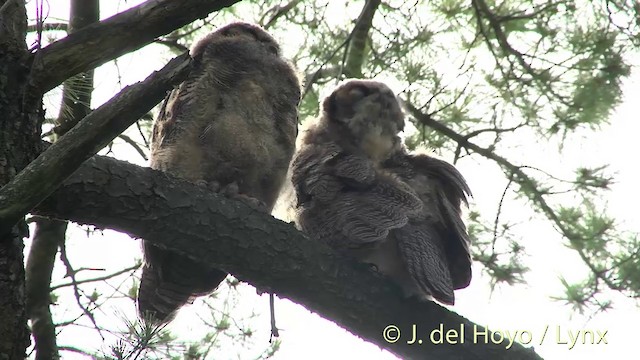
<point>359,191</point>
<point>232,125</point>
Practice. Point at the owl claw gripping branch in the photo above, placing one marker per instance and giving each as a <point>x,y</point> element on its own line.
<point>361,192</point>
<point>231,126</point>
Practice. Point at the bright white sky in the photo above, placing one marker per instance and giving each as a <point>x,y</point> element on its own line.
<point>519,308</point>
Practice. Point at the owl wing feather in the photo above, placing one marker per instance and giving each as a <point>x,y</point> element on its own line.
<point>170,280</point>
<point>442,209</point>
<point>345,201</point>
<point>172,120</point>
<point>423,253</point>
<point>360,191</point>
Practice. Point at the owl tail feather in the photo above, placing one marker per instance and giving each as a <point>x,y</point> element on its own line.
<point>423,252</point>
<point>172,283</point>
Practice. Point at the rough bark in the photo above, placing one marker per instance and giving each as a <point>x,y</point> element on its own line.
<point>265,252</point>
<point>114,37</point>
<point>358,41</point>
<point>60,160</point>
<point>19,144</point>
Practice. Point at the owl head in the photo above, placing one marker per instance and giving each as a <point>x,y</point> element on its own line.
<point>238,35</point>
<point>370,112</point>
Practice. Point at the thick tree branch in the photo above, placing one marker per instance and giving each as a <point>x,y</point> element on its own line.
<point>114,37</point>
<point>265,252</point>
<point>354,50</point>
<point>358,41</point>
<point>48,170</point>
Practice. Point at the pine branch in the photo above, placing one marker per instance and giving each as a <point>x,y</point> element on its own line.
<point>271,255</point>
<point>516,173</point>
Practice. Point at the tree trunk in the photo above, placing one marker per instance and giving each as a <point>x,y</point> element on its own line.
<point>20,125</point>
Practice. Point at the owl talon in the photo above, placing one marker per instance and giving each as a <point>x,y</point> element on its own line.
<point>233,192</point>
<point>230,190</point>
<point>213,186</point>
<point>374,267</point>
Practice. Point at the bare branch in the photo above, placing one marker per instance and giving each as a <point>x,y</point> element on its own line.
<point>96,279</point>
<point>134,145</point>
<point>172,44</point>
<point>76,94</point>
<point>71,272</point>
<point>353,53</point>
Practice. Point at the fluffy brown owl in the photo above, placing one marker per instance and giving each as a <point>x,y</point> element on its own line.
<point>359,191</point>
<point>232,125</point>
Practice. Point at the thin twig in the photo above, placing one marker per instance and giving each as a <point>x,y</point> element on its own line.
<point>76,291</point>
<point>101,278</point>
<point>134,144</point>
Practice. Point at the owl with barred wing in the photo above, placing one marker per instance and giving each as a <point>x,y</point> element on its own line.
<point>231,125</point>
<point>361,192</point>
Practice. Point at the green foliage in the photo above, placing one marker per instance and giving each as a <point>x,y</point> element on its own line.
<point>502,260</point>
